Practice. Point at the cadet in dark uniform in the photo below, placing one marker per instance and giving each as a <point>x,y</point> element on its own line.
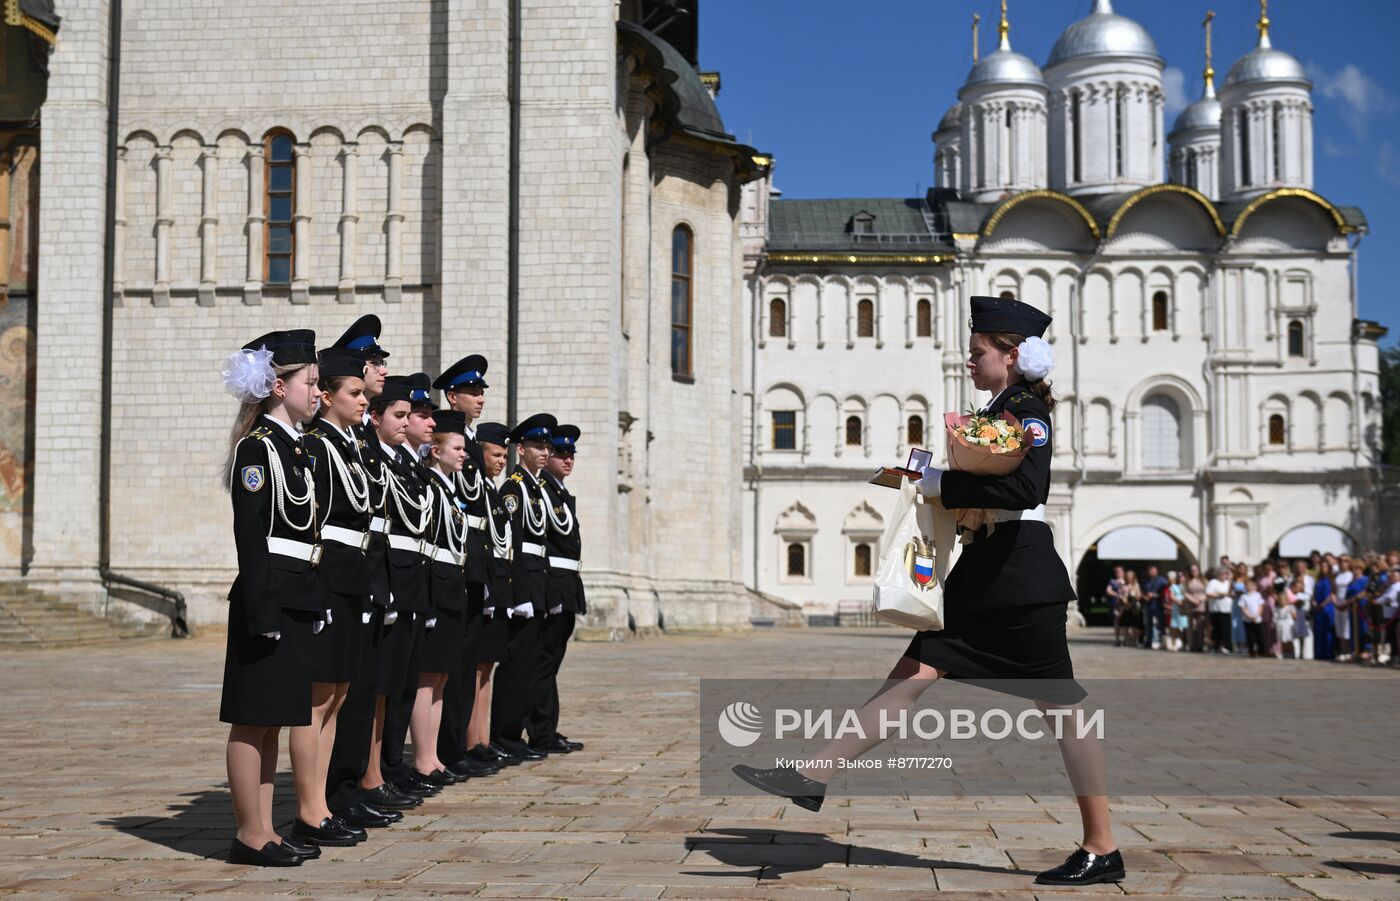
<point>274,600</point>
<point>447,591</point>
<point>563,546</point>
<point>464,392</point>
<point>1006,598</point>
<point>529,580</point>
<point>354,732</point>
<point>492,438</point>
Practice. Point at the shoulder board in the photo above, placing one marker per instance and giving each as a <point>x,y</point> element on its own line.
<point>1021,397</point>
<point>261,431</point>
<point>517,477</point>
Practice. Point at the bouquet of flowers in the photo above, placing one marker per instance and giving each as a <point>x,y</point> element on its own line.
<point>985,444</point>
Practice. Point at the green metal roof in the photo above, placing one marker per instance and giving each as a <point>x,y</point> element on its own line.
<point>826,224</point>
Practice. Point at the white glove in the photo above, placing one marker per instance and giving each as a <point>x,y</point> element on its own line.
<point>275,636</point>
<point>390,617</point>
<point>364,617</point>
<point>317,626</point>
<point>556,608</point>
<point>932,482</point>
<point>526,610</point>
<point>432,621</point>
<point>329,619</point>
<point>490,612</point>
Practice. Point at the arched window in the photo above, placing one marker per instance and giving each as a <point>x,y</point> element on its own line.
<point>280,204</point>
<point>777,318</point>
<point>1277,123</point>
<point>1278,430</point>
<point>1120,100</point>
<point>1190,171</point>
<point>1295,339</point>
<point>854,432</point>
<point>784,430</point>
<point>1245,173</point>
<point>865,319</point>
<point>1161,433</point>
<point>797,560</point>
<point>1160,312</point>
<point>915,430</point>
<point>860,566</point>
<point>1007,295</point>
<point>682,301</point>
<point>1074,135</point>
<point>923,318</point>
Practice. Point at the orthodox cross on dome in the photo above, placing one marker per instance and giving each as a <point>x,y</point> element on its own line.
<point>975,19</point>
<point>1263,25</point>
<point>1004,29</point>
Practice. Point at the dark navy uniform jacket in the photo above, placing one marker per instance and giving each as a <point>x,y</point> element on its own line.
<point>343,568</point>
<point>268,582</point>
<point>1016,564</point>
<point>565,584</point>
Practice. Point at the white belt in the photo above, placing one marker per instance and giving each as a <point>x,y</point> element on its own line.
<point>527,547</point>
<point>300,550</point>
<point>347,537</point>
<point>501,554</point>
<point>563,563</point>
<point>1036,514</point>
<point>443,555</point>
<point>379,524</point>
<point>405,543</point>
<point>476,522</point>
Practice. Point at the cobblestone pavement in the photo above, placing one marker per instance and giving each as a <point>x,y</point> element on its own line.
<point>114,783</point>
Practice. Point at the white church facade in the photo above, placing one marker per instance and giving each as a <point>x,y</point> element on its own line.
<point>1217,393</point>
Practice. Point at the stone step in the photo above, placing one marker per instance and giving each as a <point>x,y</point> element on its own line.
<point>32,619</point>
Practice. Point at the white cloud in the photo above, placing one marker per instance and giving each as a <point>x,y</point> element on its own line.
<point>1358,97</point>
<point>1388,164</point>
<point>1174,91</point>
<point>1333,147</point>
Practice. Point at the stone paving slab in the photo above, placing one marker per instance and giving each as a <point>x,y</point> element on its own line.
<point>116,787</point>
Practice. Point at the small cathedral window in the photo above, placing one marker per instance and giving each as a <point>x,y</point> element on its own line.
<point>1295,339</point>
<point>1278,433</point>
<point>854,432</point>
<point>682,302</point>
<point>923,319</point>
<point>865,319</point>
<point>1160,312</point>
<point>777,318</point>
<point>797,560</point>
<point>915,430</point>
<point>280,206</point>
<point>861,563</point>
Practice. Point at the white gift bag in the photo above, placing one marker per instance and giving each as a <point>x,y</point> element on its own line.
<point>916,553</point>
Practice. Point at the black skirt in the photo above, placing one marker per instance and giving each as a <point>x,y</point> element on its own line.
<point>443,644</point>
<point>267,681</point>
<point>398,651</point>
<point>1021,651</point>
<point>336,649</point>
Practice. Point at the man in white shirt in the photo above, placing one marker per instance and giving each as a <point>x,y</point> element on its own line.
<point>1218,609</point>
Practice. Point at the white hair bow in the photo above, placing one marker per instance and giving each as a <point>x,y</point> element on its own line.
<point>1034,360</point>
<point>248,374</point>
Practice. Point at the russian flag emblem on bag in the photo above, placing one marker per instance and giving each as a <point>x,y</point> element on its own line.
<point>921,561</point>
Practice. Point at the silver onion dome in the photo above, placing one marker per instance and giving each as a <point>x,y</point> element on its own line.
<point>1264,63</point>
<point>1004,66</point>
<point>952,120</point>
<point>1204,113</point>
<point>1104,33</point>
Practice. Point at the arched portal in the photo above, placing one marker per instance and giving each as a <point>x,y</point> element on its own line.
<point>1134,547</point>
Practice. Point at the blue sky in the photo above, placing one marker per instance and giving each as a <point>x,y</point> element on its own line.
<point>845,93</point>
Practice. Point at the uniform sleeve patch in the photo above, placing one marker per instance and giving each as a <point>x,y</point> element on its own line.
<point>1036,430</point>
<point>512,504</point>
<point>252,477</point>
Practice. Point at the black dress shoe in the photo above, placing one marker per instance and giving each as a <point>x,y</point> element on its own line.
<point>467,768</point>
<point>393,816</point>
<point>386,797</point>
<point>1085,868</point>
<point>414,784</point>
<point>555,745</point>
<point>357,831</point>
<point>301,849</point>
<point>522,750</point>
<point>271,855</point>
<point>503,756</point>
<point>575,745</point>
<point>329,833</point>
<point>358,814</point>
<point>440,778</point>
<point>786,782</point>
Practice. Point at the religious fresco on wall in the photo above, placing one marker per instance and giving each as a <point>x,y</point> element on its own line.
<point>19,189</point>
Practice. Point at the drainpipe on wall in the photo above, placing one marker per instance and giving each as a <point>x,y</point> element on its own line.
<point>513,240</point>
